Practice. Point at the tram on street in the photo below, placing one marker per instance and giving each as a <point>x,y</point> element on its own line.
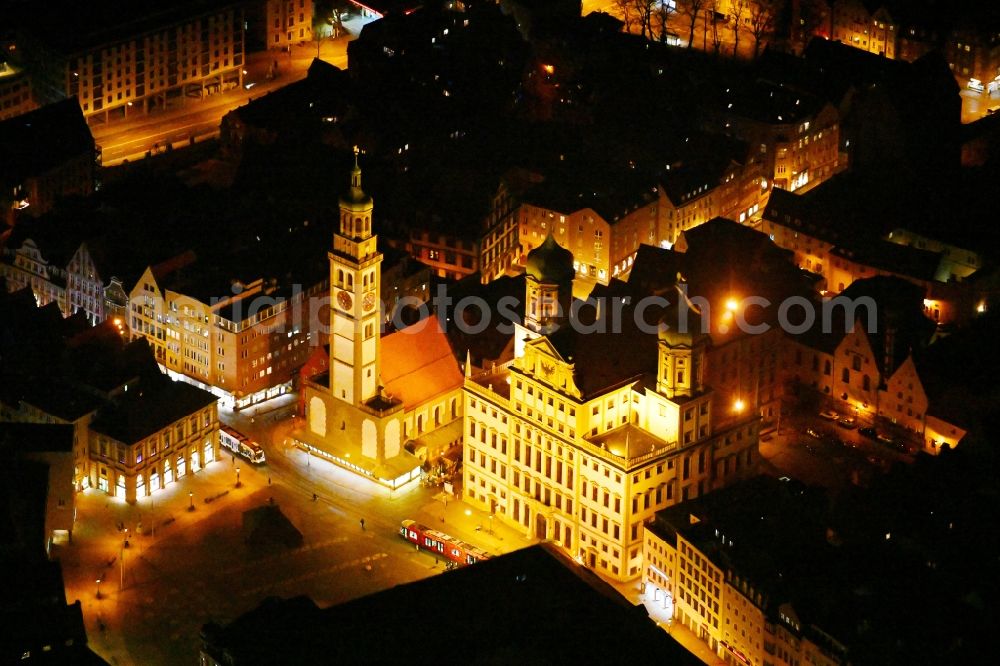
<point>240,444</point>
<point>441,544</point>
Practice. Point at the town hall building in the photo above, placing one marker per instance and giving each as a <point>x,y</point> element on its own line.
<point>589,432</point>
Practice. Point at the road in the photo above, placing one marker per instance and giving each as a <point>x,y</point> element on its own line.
<point>198,119</point>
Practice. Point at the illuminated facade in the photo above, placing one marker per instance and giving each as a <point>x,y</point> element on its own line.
<point>841,259</point>
<point>863,25</point>
<point>141,63</point>
<point>604,244</point>
<point>289,22</point>
<point>692,567</point>
<point>244,345</point>
<point>382,405</point>
<point>582,438</point>
<point>15,91</point>
<point>74,287</point>
<point>904,402</point>
<point>152,437</point>
<point>447,255</point>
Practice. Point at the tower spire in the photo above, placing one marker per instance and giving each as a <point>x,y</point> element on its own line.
<point>356,174</point>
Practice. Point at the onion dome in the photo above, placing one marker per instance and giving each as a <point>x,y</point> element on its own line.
<point>550,262</point>
<point>356,197</point>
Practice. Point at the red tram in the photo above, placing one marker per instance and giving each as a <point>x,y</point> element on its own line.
<point>438,543</point>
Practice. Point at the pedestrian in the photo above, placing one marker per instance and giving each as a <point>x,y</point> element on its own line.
<point>268,480</point>
<point>362,524</point>
<point>314,497</point>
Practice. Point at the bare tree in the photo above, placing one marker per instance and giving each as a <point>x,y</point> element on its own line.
<point>737,10</point>
<point>762,14</point>
<point>712,16</point>
<point>663,9</point>
<point>690,10</point>
<point>625,8</point>
<point>644,14</point>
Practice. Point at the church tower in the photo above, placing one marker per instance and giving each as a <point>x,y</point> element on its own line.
<point>549,287</point>
<point>681,356</point>
<point>355,274</point>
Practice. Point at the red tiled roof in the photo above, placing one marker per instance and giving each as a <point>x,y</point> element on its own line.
<point>418,364</point>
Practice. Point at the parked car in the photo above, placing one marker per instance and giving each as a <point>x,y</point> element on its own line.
<point>885,439</point>
<point>848,422</point>
<point>870,433</point>
<point>829,415</point>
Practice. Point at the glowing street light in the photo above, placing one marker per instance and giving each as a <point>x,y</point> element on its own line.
<point>491,524</point>
<point>191,501</point>
<point>739,405</point>
<point>732,305</point>
<point>238,484</point>
<point>98,588</point>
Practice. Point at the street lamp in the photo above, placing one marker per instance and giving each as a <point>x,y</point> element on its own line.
<point>190,501</point>
<point>491,524</point>
<point>125,545</point>
<point>238,484</point>
<point>98,588</point>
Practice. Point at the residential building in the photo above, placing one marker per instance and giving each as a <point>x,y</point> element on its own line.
<point>15,91</point>
<point>37,401</point>
<point>717,569</point>
<point>382,403</point>
<point>798,134</point>
<point>54,260</point>
<point>288,22</point>
<point>131,430</point>
<point>605,225</point>
<point>868,362</point>
<point>446,254</point>
<point>846,248</point>
<point>118,60</point>
<point>49,153</point>
<point>582,437</point>
<point>876,97</point>
<point>240,325</point>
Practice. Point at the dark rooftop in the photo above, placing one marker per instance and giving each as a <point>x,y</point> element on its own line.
<point>68,26</point>
<point>149,409</point>
<point>38,141</point>
<point>489,613</point>
<point>36,437</point>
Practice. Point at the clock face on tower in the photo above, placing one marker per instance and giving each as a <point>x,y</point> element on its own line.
<point>344,300</point>
<point>369,301</point>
